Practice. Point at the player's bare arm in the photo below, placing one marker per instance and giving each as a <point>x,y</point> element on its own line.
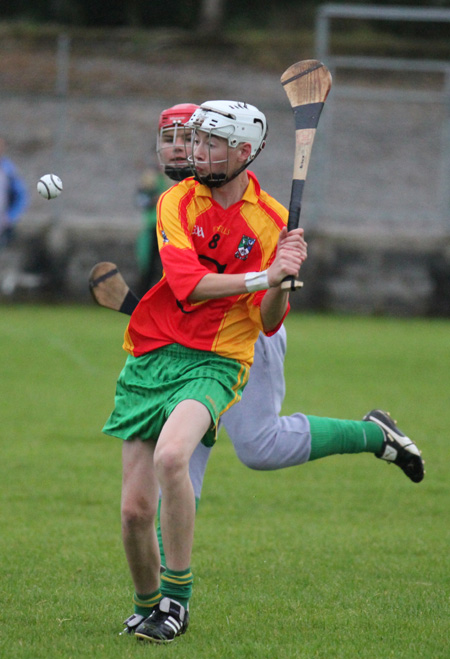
<point>291,253</point>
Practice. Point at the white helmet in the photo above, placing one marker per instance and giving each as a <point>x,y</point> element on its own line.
<point>235,121</point>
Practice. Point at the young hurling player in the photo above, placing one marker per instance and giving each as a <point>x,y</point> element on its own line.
<point>153,182</point>
<point>225,250</point>
<point>262,439</point>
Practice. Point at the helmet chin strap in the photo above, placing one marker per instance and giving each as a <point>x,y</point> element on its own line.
<point>218,180</point>
<point>212,180</point>
<point>178,173</point>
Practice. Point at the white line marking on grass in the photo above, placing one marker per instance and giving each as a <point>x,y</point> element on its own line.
<point>54,341</point>
<point>77,357</point>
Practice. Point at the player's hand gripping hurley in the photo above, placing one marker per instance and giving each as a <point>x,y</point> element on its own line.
<point>307,85</point>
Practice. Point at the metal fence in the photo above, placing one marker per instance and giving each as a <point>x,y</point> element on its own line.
<point>382,152</point>
<point>385,140</point>
<point>380,165</point>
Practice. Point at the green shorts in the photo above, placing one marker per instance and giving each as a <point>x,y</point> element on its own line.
<point>151,386</point>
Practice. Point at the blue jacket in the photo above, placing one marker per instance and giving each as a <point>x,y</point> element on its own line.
<point>18,194</point>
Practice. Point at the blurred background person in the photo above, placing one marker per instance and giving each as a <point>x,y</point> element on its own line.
<point>152,184</point>
<point>13,197</point>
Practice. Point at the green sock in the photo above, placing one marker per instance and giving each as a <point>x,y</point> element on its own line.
<point>177,585</point>
<point>331,436</point>
<point>143,604</point>
<point>159,536</point>
<point>158,531</point>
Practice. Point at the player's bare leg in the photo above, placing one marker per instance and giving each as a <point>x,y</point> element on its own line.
<point>180,435</point>
<point>138,512</point>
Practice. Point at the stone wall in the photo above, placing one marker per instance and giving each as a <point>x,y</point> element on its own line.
<point>360,271</point>
<point>346,271</point>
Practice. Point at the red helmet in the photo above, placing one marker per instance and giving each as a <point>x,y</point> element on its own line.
<point>176,115</point>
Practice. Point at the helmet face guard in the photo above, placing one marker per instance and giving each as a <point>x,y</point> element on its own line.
<point>237,123</point>
<point>173,147</point>
<point>173,141</point>
<point>211,179</point>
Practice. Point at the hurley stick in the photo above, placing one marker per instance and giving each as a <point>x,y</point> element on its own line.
<point>109,289</point>
<point>307,85</point>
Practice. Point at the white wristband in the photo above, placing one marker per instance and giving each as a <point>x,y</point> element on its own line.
<point>256,281</point>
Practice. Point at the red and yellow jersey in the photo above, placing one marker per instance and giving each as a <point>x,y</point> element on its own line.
<point>197,236</point>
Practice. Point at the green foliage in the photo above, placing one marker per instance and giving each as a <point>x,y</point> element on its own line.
<point>268,42</point>
<point>342,557</point>
<point>234,14</point>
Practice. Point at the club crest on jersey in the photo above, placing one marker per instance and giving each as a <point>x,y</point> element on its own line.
<point>198,231</point>
<point>245,247</point>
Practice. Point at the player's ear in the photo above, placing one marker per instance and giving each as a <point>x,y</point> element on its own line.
<point>245,150</point>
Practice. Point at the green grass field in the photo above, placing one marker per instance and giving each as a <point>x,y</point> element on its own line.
<point>341,558</point>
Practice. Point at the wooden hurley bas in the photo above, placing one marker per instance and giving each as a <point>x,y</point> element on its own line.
<point>307,85</point>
